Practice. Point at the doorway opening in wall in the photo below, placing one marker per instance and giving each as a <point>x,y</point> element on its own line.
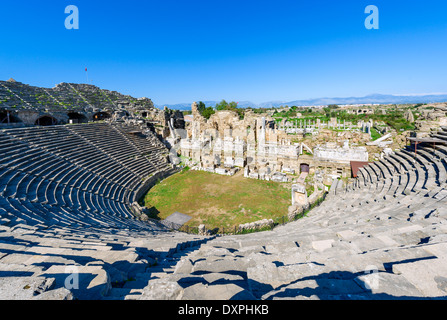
<point>8,117</point>
<point>99,116</point>
<point>304,167</point>
<point>46,121</point>
<point>75,117</point>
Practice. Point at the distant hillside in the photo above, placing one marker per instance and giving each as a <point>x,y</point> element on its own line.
<point>370,99</point>
<point>187,106</point>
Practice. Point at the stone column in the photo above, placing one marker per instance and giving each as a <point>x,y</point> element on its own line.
<point>263,129</point>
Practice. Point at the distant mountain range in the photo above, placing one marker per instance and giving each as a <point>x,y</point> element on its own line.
<point>370,99</point>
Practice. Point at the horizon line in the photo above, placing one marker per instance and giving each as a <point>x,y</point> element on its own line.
<point>347,97</point>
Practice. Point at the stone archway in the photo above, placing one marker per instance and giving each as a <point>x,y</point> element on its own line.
<point>304,167</point>
<point>46,121</point>
<point>76,117</point>
<point>7,117</point>
<point>99,116</point>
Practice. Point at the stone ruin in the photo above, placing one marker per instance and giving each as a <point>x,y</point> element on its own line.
<point>431,119</point>
<point>331,152</point>
<point>383,236</point>
<point>66,208</point>
<point>263,149</point>
<point>224,142</point>
<point>23,105</point>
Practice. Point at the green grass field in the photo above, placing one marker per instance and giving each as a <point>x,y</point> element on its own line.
<point>217,201</point>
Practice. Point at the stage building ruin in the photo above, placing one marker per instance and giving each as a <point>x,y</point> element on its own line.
<point>253,143</point>
<point>258,145</point>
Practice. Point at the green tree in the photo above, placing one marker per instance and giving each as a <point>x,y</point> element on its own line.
<point>232,105</point>
<point>208,112</point>
<point>204,111</point>
<point>201,107</point>
<point>223,105</point>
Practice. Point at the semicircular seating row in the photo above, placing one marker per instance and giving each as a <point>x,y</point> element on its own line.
<point>80,174</point>
<point>392,219</point>
<point>407,171</point>
<point>403,176</point>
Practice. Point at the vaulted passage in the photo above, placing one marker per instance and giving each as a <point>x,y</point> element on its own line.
<point>101,116</point>
<point>46,121</point>
<point>77,117</point>
<point>7,117</point>
<point>304,167</point>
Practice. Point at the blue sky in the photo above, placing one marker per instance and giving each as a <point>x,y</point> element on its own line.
<point>184,51</point>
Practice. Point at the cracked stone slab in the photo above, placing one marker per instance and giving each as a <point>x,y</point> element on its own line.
<point>24,288</point>
<point>86,282</point>
<point>57,294</point>
<point>428,276</point>
<point>161,289</point>
<point>387,286</point>
<point>347,234</point>
<point>322,245</point>
<point>230,291</point>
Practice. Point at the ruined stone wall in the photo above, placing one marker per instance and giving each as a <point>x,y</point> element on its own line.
<point>264,150</point>
<point>225,140</point>
<point>341,154</point>
<point>431,119</point>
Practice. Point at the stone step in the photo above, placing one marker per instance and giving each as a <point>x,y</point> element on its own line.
<point>387,286</point>
<point>123,294</point>
<point>85,282</point>
<point>428,276</point>
<point>24,288</point>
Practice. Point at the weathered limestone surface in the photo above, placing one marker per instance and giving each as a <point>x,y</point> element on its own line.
<point>225,141</point>
<point>381,238</point>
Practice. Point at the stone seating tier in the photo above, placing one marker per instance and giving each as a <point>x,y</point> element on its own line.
<point>381,237</point>
<point>34,169</point>
<point>65,96</point>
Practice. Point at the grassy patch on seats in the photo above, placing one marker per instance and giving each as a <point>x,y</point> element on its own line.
<point>375,134</point>
<point>218,201</point>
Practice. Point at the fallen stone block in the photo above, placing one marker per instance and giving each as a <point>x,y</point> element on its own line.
<point>220,265</point>
<point>438,249</point>
<point>19,270</point>
<point>184,266</point>
<point>410,228</point>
